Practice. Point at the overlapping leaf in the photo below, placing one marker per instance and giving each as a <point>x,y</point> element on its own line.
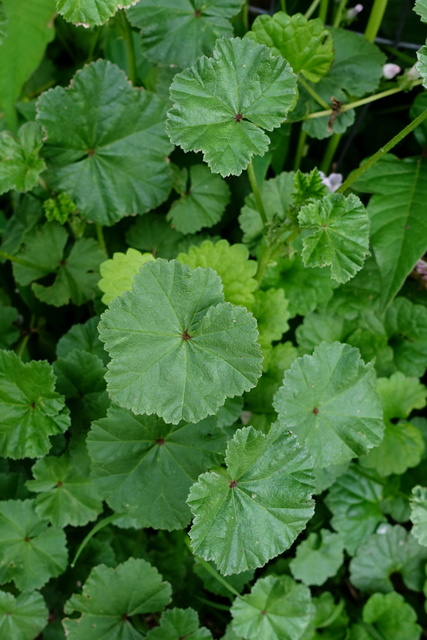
<point>179,623</point>
<point>223,103</point>
<point>271,311</point>
<point>8,330</point>
<point>117,274</point>
<point>20,165</point>
<point>318,557</point>
<point>90,12</point>
<point>405,324</point>
<point>83,337</point>
<point>419,514</point>
<point>23,617</point>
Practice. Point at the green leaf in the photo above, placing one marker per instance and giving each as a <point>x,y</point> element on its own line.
<point>318,557</point>
<point>271,311</point>
<point>329,622</point>
<point>4,23</point>
<point>83,337</point>
<point>66,496</point>
<point>8,329</point>
<point>145,467</point>
<point>238,581</point>
<point>223,103</point>
<point>396,210</point>
<point>308,187</point>
<point>20,165</point>
<point>406,326</point>
<point>231,263</point>
<point>30,409</point>
<point>276,609</point>
<point>387,617</point>
<point>255,510</point>
<point>153,233</point>
<point>420,8</point>
<point>111,596</point>
<point>112,162</point>
<point>179,32</point>
<point>421,66</point>
<point>339,235</point>
<point>30,29</point>
<point>355,502</point>
<point>90,12</point>
<point>202,204</point>
<point>23,617</point>
<point>305,44</point>
<point>390,550</point>
<point>177,349</point>
<point>330,402</point>
<point>176,624</point>
<point>419,514</point>
<point>118,273</point>
<point>31,552</point>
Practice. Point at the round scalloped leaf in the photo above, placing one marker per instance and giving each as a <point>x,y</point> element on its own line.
<point>421,9</point>
<point>30,409</point>
<point>318,557</point>
<point>177,349</point>
<point>419,514</point>
<point>90,12</point>
<point>20,165</point>
<point>31,552</point>
<point>223,103</point>
<point>145,467</point>
<point>277,608</point>
<point>177,624</point>
<point>23,617</point>
<point>111,596</point>
<point>305,44</point>
<point>178,32</point>
<point>330,401</point>
<point>387,617</point>
<point>254,510</point>
<point>119,272</point>
<point>231,263</point>
<point>339,235</point>
<point>112,163</point>
<point>390,550</point>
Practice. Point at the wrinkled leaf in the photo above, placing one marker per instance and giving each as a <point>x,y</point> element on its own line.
<point>90,12</point>
<point>117,274</point>
<point>20,165</point>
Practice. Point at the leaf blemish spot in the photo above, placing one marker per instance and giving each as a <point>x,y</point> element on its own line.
<point>232,484</point>
<point>160,441</point>
<point>263,612</point>
<point>197,14</point>
<point>185,335</point>
<point>315,411</point>
<point>238,117</point>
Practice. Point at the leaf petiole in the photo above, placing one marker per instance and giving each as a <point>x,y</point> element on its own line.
<point>257,193</point>
<point>99,525</point>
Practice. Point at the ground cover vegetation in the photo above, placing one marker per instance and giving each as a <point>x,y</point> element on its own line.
<point>213,320</point>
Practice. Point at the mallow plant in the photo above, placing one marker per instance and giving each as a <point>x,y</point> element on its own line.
<point>213,320</point>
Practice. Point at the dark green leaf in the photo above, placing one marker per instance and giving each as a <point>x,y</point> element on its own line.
<point>23,617</point>
<point>176,624</point>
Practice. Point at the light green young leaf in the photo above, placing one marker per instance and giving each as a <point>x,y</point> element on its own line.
<point>176,624</point>
<point>339,235</point>
<point>20,165</point>
<point>396,210</point>
<point>223,103</point>
<point>31,552</point>
<point>271,311</point>
<point>146,467</point>
<point>111,596</point>
<point>202,204</point>
<point>65,496</point>
<point>318,557</point>
<point>231,263</point>
<point>387,617</point>
<point>179,32</point>
<point>255,510</point>
<point>30,409</point>
<point>330,402</point>
<point>177,349</point>
<point>406,327</point>
<point>419,514</point>
<point>111,162</point>
<point>23,617</point>
<point>90,12</point>
<point>117,274</point>
<point>305,44</point>
<point>276,609</point>
<point>390,550</point>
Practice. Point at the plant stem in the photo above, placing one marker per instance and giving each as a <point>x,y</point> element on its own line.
<point>215,605</point>
<point>381,152</point>
<point>101,239</point>
<point>300,149</point>
<point>338,15</point>
<point>217,576</point>
<point>24,263</point>
<point>130,49</point>
<point>375,19</point>
<point>323,10</point>
<point>283,5</point>
<point>312,92</point>
<point>311,9</point>
<point>99,525</point>
<point>332,145</point>
<point>23,343</point>
<point>257,193</point>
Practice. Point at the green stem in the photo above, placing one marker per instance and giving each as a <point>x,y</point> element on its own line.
<point>24,263</point>
<point>209,568</point>
<point>300,149</point>
<point>311,9</point>
<point>270,252</point>
<point>338,15</point>
<point>323,10</point>
<point>101,239</point>
<point>99,525</point>
<point>401,55</point>
<point>130,49</point>
<point>245,16</point>
<point>23,344</point>
<point>332,145</point>
<point>312,92</point>
<point>381,152</point>
<point>215,605</point>
<point>257,193</point>
<point>375,19</point>
<point>283,5</point>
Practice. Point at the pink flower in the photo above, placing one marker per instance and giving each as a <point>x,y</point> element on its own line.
<point>390,70</point>
<point>333,181</point>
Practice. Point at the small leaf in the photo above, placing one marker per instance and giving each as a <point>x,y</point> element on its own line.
<point>118,273</point>
<point>23,617</point>
<point>271,311</point>
<point>176,624</point>
<point>419,514</point>
<point>276,609</point>
<point>387,617</point>
<point>82,337</point>
<point>20,165</point>
<point>318,557</point>
<point>255,510</point>
<point>339,236</point>
<point>221,104</point>
<point>90,12</point>
<point>405,324</point>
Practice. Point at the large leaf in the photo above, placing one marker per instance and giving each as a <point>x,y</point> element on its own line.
<point>30,409</point>
<point>23,617</point>
<point>223,103</point>
<point>338,236</point>
<point>145,467</point>
<point>255,510</point>
<point>30,29</point>
<point>305,44</point>
<point>177,32</point>
<point>20,165</point>
<point>176,624</point>
<point>387,617</point>
<point>177,349</point>
<point>111,596</point>
<point>90,12</point>
<point>111,162</point>
<point>330,401</point>
<point>276,609</point>
<point>31,552</point>
<point>396,211</point>
<point>318,557</point>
